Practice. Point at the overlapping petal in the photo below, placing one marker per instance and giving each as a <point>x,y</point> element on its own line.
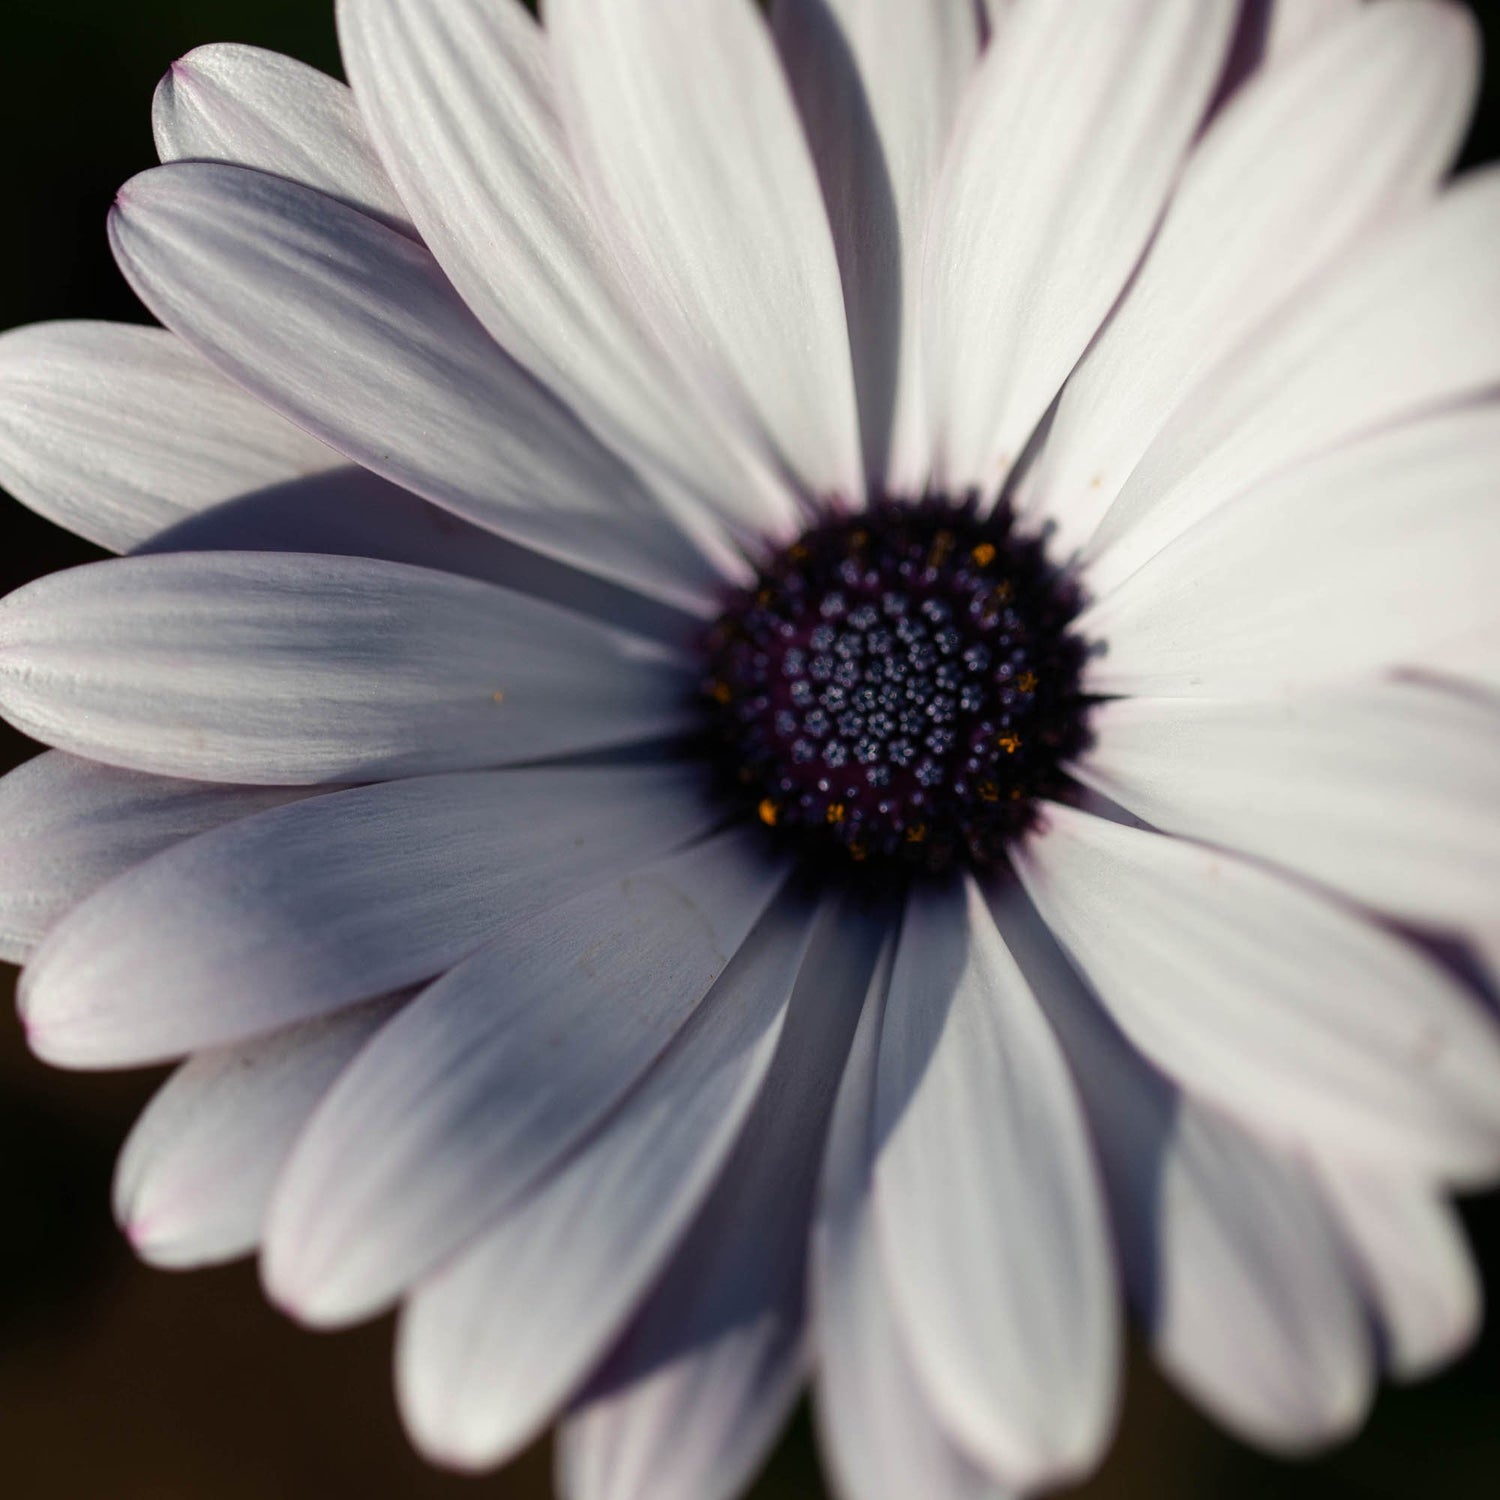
<point>685,132</point>
<point>440,1126</point>
<point>299,911</point>
<point>231,103</point>
<point>275,668</point>
<point>1294,1013</point>
<point>352,331</point>
<point>1027,249</point>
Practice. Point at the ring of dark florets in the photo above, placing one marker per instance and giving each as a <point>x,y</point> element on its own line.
<point>901,684</point>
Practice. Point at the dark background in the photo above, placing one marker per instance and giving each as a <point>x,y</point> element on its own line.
<point>123,1383</point>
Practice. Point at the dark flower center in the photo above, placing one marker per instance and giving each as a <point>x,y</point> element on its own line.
<point>901,684</point>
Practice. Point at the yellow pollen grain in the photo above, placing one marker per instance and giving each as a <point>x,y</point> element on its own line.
<point>983,554</point>
<point>835,813</point>
<point>1009,743</point>
<point>769,812</point>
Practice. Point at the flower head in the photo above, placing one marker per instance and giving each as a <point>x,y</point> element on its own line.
<point>791,696</point>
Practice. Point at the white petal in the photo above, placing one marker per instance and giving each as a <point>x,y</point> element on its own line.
<point>461,101</point>
<point>281,668</point>
<point>352,331</point>
<point>1305,1020</point>
<point>1389,792</point>
<point>1354,131</point>
<point>988,1202</point>
<point>297,912</point>
<point>878,86</point>
<point>1290,25</point>
<point>691,1400</point>
<point>196,1174</point>
<point>350,512</point>
<point>690,146</point>
<point>67,826</point>
<point>1407,1241</point>
<point>259,109</point>
<point>1360,561</point>
<point>1064,155</point>
<point>494,1342</point>
<point>1225,1247</point>
<point>497,1072</point>
<point>83,442</point>
<point>1410,325</point>
<point>880,1437</point>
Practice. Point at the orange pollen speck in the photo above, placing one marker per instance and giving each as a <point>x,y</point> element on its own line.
<point>835,812</point>
<point>497,697</point>
<point>983,554</point>
<point>769,812</point>
<point>1027,682</point>
<point>988,791</point>
<point>1009,743</point>
<point>917,833</point>
<point>721,692</point>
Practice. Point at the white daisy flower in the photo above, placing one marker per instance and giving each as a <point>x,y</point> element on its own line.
<point>793,701</point>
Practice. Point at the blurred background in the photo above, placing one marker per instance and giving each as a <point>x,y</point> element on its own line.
<point>123,1383</point>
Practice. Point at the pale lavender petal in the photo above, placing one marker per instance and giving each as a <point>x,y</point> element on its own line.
<point>196,1175</point>
<point>879,87</point>
<point>1386,791</point>
<point>688,141</point>
<point>461,100</point>
<point>1373,555</point>
<point>276,668</point>
<point>1408,1245</point>
<point>352,331</point>
<point>83,442</point>
<point>1226,1250</point>
<point>67,826</point>
<point>493,1343</point>
<point>254,108</point>
<point>880,1434</point>
<point>1029,245</point>
<point>1297,1015</point>
<point>692,1399</point>
<point>486,1083</point>
<point>1347,137</point>
<point>299,911</point>
<point>988,1202</point>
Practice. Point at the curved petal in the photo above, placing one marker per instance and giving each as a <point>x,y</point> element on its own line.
<point>353,332</point>
<point>282,668</point>
<point>1311,156</point>
<point>1015,1332</point>
<point>688,141</point>
<point>460,97</point>
<point>350,512</point>
<point>300,911</point>
<point>694,1395</point>
<point>1308,1022</point>
<point>1027,249</point>
<point>1388,792</point>
<point>82,440</point>
<point>878,86</point>
<point>495,1341</point>
<point>880,1436</point>
<point>497,1072</point>
<point>1373,556</point>
<point>1225,1247</point>
<point>196,1174</point>
<point>67,826</point>
<point>1409,326</point>
<point>258,109</point>
<point>1407,1242</point>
